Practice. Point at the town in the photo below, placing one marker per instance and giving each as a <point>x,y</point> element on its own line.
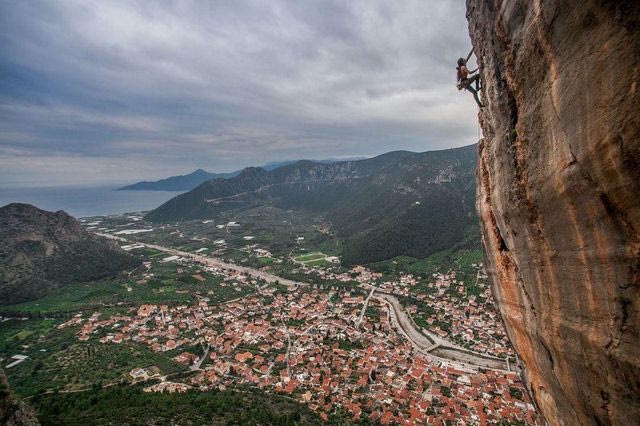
<point>305,343</point>
<point>219,306</point>
<point>334,341</point>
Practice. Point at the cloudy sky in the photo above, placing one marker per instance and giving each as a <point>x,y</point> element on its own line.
<point>95,92</point>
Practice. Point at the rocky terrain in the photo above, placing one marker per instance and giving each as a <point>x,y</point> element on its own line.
<point>397,203</point>
<point>14,412</point>
<point>558,195</point>
<point>40,251</point>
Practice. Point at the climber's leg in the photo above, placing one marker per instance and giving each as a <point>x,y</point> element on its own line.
<point>475,79</point>
<point>475,95</point>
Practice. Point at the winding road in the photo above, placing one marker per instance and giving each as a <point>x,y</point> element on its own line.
<point>434,345</point>
<point>424,342</point>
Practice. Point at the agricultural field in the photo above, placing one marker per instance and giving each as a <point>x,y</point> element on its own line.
<point>166,283</point>
<point>303,258</point>
<point>314,259</point>
<point>318,263</point>
<point>282,231</point>
<point>131,405</point>
<point>56,360</point>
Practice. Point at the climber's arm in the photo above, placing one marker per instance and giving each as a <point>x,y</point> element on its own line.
<point>469,55</point>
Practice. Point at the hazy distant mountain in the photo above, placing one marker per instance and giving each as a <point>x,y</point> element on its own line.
<point>277,164</point>
<point>178,183</point>
<point>190,181</point>
<point>41,251</point>
<point>397,203</point>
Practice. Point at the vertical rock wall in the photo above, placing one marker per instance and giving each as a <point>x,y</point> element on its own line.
<point>559,196</point>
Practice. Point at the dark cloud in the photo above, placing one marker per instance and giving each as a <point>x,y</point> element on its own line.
<point>112,91</point>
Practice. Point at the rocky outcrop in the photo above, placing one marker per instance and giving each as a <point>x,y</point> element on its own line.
<point>559,196</point>
<point>14,412</point>
<point>41,251</point>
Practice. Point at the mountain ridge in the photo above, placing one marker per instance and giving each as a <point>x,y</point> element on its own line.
<point>195,178</point>
<point>368,201</point>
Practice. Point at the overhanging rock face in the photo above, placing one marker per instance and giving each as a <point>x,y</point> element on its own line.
<point>559,196</point>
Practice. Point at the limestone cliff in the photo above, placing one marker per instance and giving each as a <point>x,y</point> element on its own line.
<point>559,196</point>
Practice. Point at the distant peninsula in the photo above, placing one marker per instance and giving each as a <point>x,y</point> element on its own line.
<point>178,183</point>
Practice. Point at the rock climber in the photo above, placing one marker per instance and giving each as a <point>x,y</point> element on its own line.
<point>465,82</point>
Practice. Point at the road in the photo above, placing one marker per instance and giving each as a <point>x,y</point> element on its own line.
<point>198,363</point>
<point>286,330</point>
<point>364,307</point>
<point>429,344</point>
<point>404,324</point>
<point>434,345</point>
<point>215,263</point>
<point>111,384</point>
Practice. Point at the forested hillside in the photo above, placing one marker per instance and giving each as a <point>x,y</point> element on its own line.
<point>394,204</point>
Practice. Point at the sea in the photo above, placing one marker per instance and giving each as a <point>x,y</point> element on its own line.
<point>86,201</point>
